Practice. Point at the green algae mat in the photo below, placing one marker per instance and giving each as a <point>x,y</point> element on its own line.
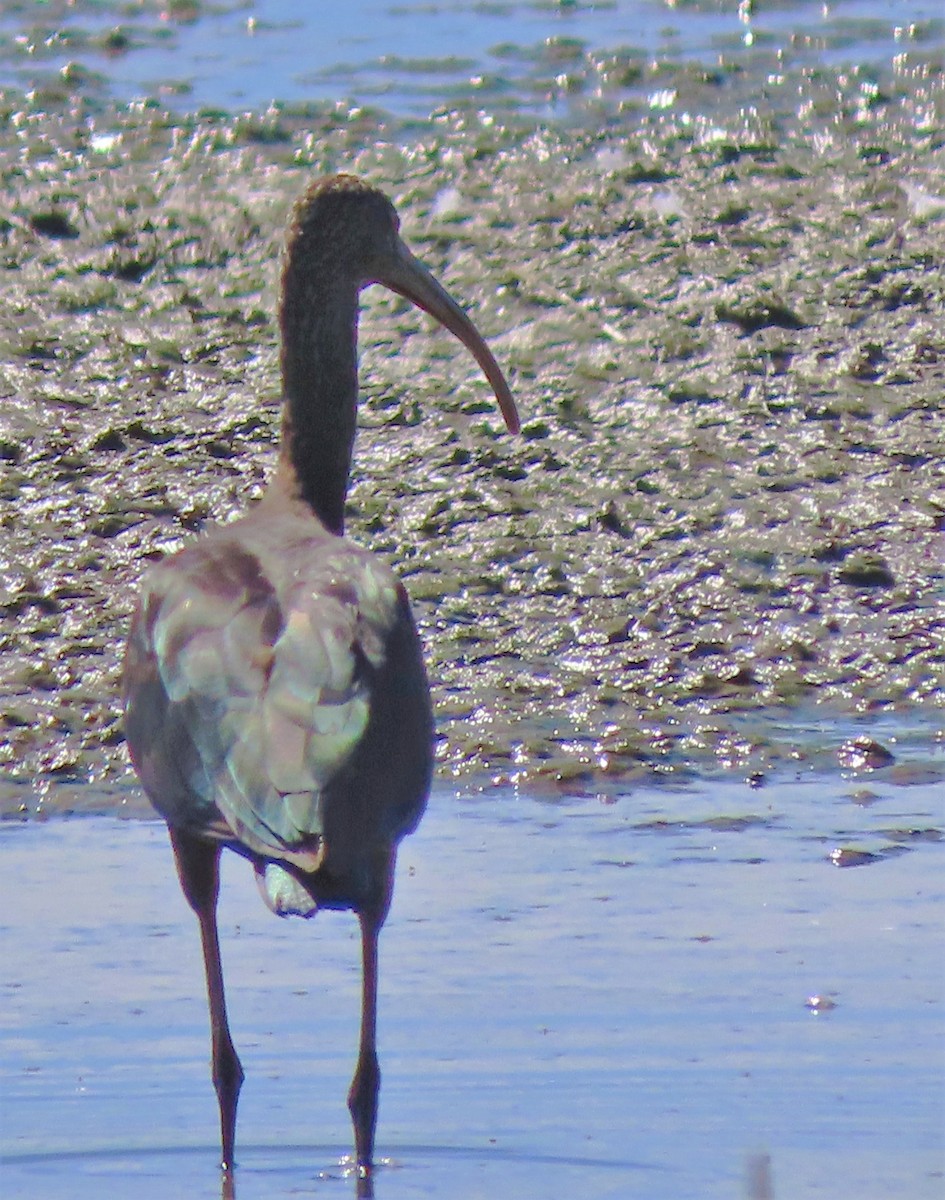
<point>722,312</point>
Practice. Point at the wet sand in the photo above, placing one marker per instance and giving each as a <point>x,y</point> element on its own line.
<point>592,1000</point>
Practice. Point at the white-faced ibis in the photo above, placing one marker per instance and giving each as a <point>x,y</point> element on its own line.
<point>275,695</point>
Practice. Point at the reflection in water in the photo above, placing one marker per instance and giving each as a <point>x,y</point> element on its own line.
<point>760,1186</point>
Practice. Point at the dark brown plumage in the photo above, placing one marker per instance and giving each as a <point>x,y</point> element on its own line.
<point>275,695</point>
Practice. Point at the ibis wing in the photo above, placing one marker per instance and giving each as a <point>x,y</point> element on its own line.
<point>249,683</point>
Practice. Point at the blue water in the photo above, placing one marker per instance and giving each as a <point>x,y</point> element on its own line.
<point>580,999</point>
<point>413,55</point>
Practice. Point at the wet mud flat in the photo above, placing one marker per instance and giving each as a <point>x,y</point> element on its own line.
<point>720,306</point>
<point>682,993</point>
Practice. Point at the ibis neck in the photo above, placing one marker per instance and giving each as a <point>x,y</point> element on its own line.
<point>320,392</point>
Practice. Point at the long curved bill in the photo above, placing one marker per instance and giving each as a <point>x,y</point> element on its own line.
<point>407,276</point>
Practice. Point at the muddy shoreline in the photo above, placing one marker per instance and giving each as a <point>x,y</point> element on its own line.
<point>722,321</point>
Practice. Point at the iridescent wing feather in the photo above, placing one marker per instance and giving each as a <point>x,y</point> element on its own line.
<point>249,680</point>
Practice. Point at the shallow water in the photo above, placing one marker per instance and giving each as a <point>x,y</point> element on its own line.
<point>410,56</point>
<point>578,999</point>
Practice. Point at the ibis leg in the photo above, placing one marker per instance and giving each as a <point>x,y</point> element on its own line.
<point>198,865</point>
<point>362,1097</point>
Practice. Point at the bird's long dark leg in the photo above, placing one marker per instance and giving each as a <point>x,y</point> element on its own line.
<point>198,865</point>
<point>366,1085</point>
